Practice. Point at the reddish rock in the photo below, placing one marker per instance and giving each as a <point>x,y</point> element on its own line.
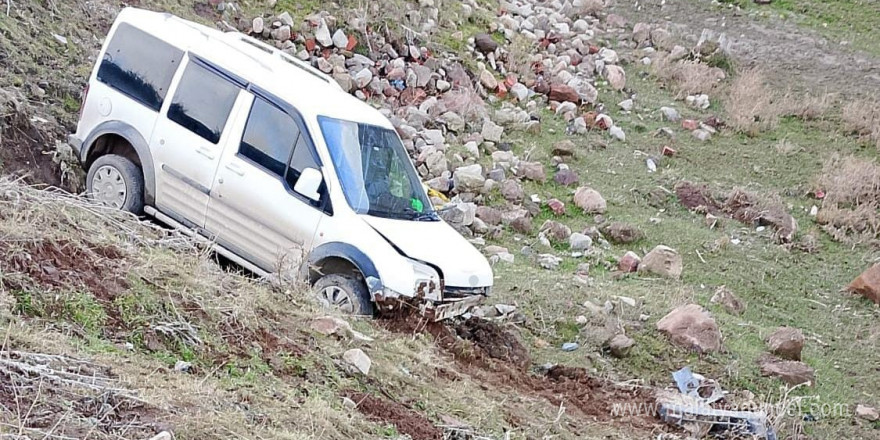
<point>690,124</point>
<point>668,152</point>
<point>629,263</point>
<point>564,93</point>
<point>556,206</point>
<point>790,372</point>
<point>352,43</point>
<point>590,119</point>
<point>311,44</point>
<point>692,327</point>
<point>787,343</point>
<point>868,284</point>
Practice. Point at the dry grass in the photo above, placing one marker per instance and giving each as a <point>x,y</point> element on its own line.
<point>852,197</point>
<point>752,106</point>
<point>687,77</point>
<point>807,106</point>
<point>862,117</point>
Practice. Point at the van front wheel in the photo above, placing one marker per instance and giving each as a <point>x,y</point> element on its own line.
<point>116,182</point>
<point>345,292</point>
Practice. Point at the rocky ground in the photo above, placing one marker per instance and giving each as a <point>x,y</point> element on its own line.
<point>657,184</point>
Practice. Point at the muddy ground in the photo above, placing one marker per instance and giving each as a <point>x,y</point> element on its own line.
<point>798,58</point>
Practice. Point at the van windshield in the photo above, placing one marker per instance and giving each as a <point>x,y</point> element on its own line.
<point>375,172</point>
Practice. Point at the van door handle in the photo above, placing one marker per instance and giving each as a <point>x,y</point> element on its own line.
<point>235,169</point>
<point>205,152</point>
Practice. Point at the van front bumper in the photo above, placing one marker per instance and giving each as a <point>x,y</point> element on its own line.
<point>453,309</point>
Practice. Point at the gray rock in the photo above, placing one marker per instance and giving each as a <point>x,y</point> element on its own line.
<point>281,34</point>
<point>511,190</point>
<point>436,163</point>
<point>434,137</point>
<point>322,34</point>
<point>580,242</point>
<point>549,262</point>
<point>520,92</point>
<point>570,346</point>
<point>358,359</point>
<point>340,40</point>
<point>492,132</point>
<point>182,366</point>
<point>454,122</point>
<point>620,346</point>
<point>257,25</point>
<point>345,81</point>
<point>363,78</point>
<point>285,18</point>
<point>670,114</point>
<point>469,178</point>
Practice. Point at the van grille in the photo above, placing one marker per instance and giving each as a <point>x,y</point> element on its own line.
<point>450,292</point>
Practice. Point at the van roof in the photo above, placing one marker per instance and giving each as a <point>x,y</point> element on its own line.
<point>309,90</point>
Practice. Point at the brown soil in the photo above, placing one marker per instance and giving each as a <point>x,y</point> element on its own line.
<point>742,206</point>
<point>495,358</point>
<point>405,420</point>
<point>24,148</point>
<point>695,197</point>
<point>63,264</point>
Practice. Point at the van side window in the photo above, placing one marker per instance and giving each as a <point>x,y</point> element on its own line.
<point>269,137</point>
<point>139,65</point>
<point>302,159</point>
<point>202,102</point>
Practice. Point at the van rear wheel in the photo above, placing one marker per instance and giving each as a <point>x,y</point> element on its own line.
<point>116,182</point>
<point>345,292</point>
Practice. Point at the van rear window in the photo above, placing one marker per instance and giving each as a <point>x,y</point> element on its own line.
<point>139,65</point>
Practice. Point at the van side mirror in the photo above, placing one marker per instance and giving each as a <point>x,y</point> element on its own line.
<point>309,183</point>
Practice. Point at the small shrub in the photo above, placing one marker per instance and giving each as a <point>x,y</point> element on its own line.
<point>862,117</point>
<point>687,77</point>
<point>806,106</point>
<point>852,197</point>
<point>751,105</point>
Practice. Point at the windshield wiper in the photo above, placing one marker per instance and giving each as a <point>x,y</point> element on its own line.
<point>422,216</point>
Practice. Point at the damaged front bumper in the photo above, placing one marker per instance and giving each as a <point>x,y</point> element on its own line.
<point>432,302</point>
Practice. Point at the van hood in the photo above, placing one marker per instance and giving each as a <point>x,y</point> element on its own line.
<point>436,243</point>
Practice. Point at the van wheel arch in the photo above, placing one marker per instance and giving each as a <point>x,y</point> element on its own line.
<point>115,137</point>
<point>341,259</point>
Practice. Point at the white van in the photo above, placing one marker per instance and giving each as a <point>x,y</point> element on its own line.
<point>230,139</point>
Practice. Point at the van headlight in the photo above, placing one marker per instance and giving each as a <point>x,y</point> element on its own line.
<point>426,281</point>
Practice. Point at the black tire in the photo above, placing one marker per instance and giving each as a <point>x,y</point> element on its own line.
<point>360,300</point>
<point>132,177</point>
